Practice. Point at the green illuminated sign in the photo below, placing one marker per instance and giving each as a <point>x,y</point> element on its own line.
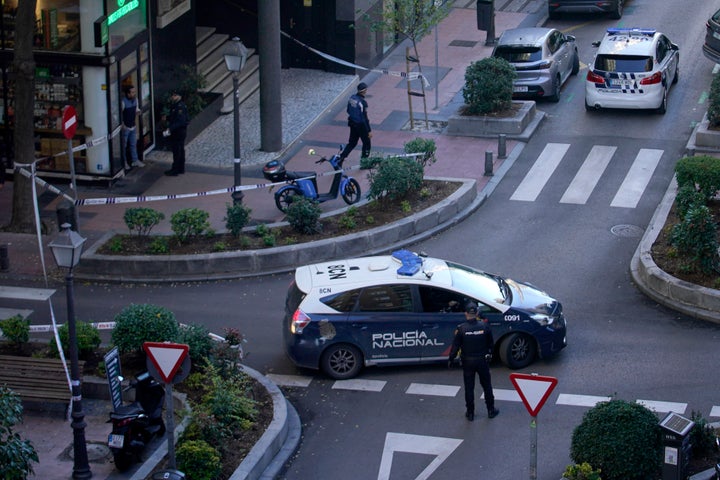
<point>123,9</point>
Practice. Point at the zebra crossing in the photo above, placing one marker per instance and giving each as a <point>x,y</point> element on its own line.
<point>589,174</point>
<point>503,395</point>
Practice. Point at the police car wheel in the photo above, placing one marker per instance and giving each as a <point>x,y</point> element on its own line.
<point>341,361</point>
<point>663,104</point>
<point>517,351</point>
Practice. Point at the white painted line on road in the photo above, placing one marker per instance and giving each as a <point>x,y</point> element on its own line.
<point>637,178</point>
<point>22,293</point>
<point>441,448</point>
<point>580,400</point>
<point>289,380</point>
<point>715,411</point>
<point>664,407</point>
<point>540,172</point>
<point>506,395</point>
<point>431,389</point>
<point>11,312</point>
<point>589,174</point>
<point>362,385</point>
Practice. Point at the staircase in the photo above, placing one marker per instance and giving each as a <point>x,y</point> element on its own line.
<point>211,65</point>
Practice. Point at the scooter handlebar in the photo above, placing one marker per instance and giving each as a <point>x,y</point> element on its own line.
<point>323,159</point>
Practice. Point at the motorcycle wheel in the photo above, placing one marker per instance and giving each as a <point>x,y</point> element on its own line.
<point>352,193</point>
<point>285,198</point>
<point>123,460</point>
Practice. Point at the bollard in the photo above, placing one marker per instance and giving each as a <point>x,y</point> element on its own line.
<point>66,214</point>
<point>4,258</point>
<point>502,146</point>
<point>488,164</point>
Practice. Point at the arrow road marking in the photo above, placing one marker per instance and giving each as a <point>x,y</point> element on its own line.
<point>401,442</point>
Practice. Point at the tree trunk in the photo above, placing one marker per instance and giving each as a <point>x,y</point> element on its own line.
<point>24,70</point>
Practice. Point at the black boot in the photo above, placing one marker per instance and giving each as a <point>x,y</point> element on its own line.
<point>493,412</point>
<point>470,415</point>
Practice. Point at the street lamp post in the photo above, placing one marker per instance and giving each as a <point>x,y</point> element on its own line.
<point>66,249</point>
<point>235,56</point>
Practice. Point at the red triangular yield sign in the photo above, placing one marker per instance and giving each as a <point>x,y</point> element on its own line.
<point>533,389</point>
<point>167,357</point>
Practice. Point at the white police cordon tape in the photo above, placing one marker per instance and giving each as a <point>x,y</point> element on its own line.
<point>49,328</point>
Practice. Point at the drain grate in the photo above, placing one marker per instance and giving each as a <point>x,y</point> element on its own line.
<point>463,43</point>
<point>629,231</point>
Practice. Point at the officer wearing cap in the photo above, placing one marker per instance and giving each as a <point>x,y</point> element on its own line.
<point>474,340</point>
<point>358,122</point>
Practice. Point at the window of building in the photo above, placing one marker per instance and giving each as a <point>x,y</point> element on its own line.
<point>57,25</point>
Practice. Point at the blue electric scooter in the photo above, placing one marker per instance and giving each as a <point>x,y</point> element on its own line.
<point>304,184</point>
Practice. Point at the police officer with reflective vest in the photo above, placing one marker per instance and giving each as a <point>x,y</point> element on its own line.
<point>474,340</point>
<point>358,122</point>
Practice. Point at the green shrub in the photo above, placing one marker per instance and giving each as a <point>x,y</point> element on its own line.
<point>304,216</point>
<point>583,471</point>
<point>137,324</point>
<point>16,329</point>
<point>686,198</point>
<point>116,244</point>
<point>702,437</point>
<point>620,438</point>
<point>236,218</point>
<point>142,220</point>
<point>198,460</point>
<point>160,245</point>
<point>261,230</point>
<point>88,339</point>
<point>426,146</point>
<point>696,237</point>
<point>197,337</point>
<point>713,111</point>
<point>395,177</point>
<point>16,455</point>
<point>189,222</point>
<point>701,172</point>
<point>220,247</point>
<point>269,240</point>
<point>488,86</point>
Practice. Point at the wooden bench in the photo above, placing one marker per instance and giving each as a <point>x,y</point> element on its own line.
<point>40,382</point>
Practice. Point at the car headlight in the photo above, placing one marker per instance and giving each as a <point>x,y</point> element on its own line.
<point>542,319</point>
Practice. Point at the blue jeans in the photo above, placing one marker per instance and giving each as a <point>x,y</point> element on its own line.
<point>128,138</point>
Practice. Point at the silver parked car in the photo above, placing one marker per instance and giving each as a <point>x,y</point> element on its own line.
<point>711,48</point>
<point>543,58</point>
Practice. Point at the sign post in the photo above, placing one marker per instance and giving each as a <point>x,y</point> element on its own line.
<point>534,391</point>
<point>168,363</point>
<point>69,127</point>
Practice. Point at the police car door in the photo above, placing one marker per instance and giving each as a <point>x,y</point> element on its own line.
<point>442,311</point>
<point>385,324</point>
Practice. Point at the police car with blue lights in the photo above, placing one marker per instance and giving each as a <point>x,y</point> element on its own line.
<point>402,309</point>
<point>633,68</point>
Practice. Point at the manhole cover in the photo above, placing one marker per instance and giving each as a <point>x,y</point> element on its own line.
<point>463,43</point>
<point>627,231</point>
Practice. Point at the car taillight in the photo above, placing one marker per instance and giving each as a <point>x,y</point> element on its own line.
<point>594,77</point>
<point>652,79</point>
<point>299,321</point>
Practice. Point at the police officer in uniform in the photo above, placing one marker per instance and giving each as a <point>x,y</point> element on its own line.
<point>358,122</point>
<point>474,340</point>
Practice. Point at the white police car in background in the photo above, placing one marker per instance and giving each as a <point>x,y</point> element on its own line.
<point>402,309</point>
<point>633,68</point>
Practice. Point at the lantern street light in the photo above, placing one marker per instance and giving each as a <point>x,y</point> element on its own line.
<point>235,55</point>
<point>66,249</point>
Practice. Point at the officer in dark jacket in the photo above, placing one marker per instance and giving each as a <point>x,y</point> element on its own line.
<point>358,122</point>
<point>474,340</point>
<point>177,122</point>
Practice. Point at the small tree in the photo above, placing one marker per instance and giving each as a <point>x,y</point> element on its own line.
<point>236,218</point>
<point>16,454</point>
<point>488,86</point>
<point>713,111</point>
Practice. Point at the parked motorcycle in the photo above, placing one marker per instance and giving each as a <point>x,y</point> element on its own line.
<point>304,184</point>
<point>136,424</point>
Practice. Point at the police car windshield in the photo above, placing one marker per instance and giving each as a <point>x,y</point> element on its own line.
<point>624,63</point>
<point>479,284</point>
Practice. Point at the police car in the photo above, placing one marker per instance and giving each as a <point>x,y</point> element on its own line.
<point>633,68</point>
<point>402,309</point>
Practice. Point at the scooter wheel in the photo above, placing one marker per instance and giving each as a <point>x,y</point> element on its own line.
<point>352,193</point>
<point>123,460</point>
<point>284,199</point>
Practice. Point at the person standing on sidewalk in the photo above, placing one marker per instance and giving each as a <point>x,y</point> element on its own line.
<point>177,122</point>
<point>128,133</point>
<point>359,123</point>
<point>474,340</point>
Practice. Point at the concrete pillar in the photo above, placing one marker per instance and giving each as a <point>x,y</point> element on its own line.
<point>270,85</point>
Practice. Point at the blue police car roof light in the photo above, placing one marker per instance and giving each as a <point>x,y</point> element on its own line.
<point>630,31</point>
<point>411,262</point>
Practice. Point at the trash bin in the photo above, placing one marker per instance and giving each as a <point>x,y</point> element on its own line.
<point>168,475</point>
<point>485,13</point>
<point>676,446</point>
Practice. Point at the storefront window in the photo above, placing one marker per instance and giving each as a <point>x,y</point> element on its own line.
<point>126,18</point>
<point>57,25</point>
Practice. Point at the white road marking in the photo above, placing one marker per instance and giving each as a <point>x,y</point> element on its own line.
<point>589,174</point>
<point>505,395</point>
<point>441,447</point>
<point>540,172</point>
<point>289,380</point>
<point>580,400</point>
<point>436,390</point>
<point>362,385</point>
<point>11,312</point>
<point>664,407</point>
<point>637,178</point>
<point>715,411</point>
<point>22,293</point>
